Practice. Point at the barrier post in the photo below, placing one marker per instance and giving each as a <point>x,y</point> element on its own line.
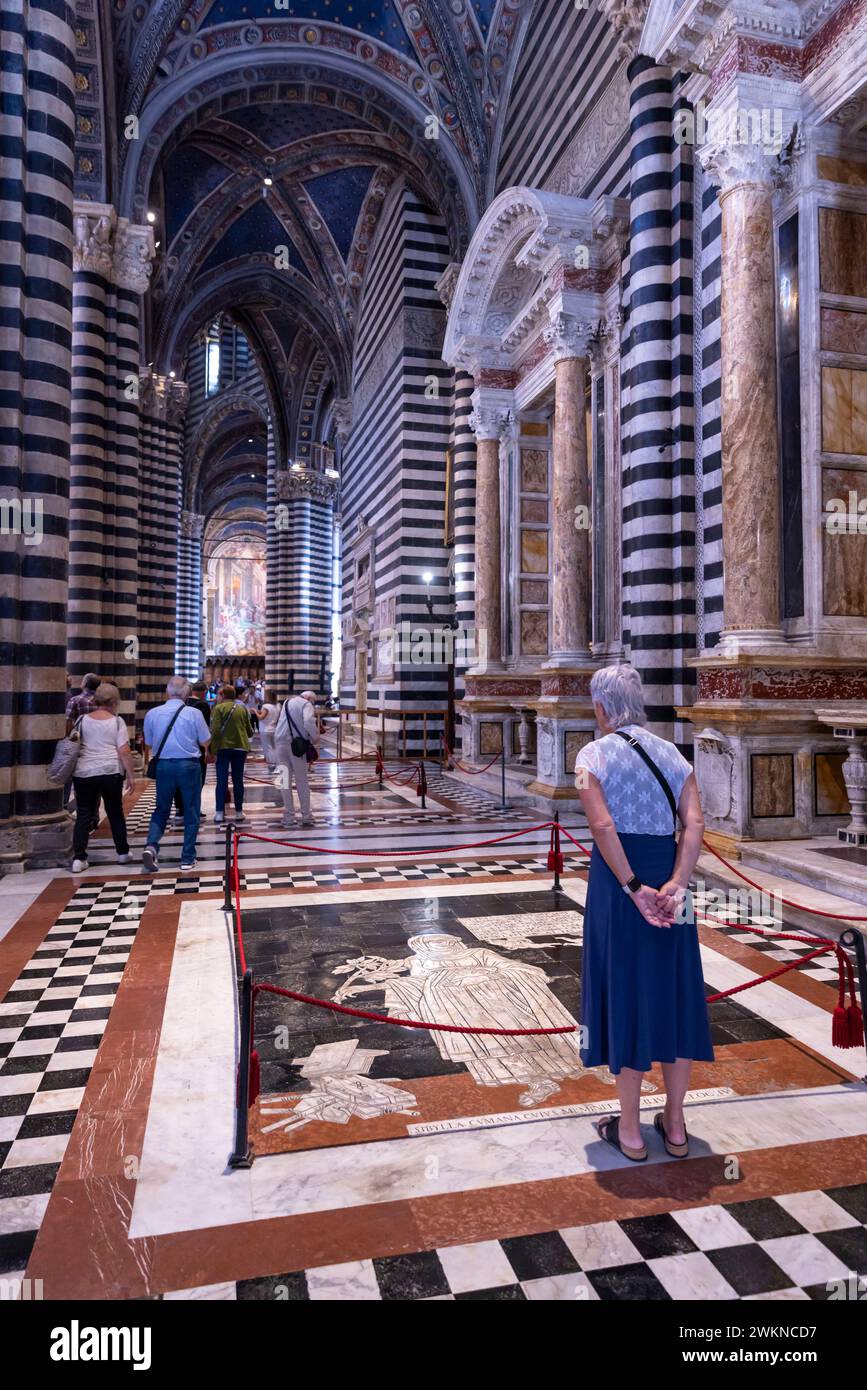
<point>242,1155</point>
<point>503,801</point>
<point>422,784</point>
<point>227,878</point>
<point>556,855</point>
<point>852,937</point>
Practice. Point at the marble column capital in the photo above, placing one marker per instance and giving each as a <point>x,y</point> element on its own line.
<point>192,525</point>
<point>626,18</point>
<point>164,397</point>
<point>730,163</point>
<point>448,283</point>
<point>491,412</point>
<point>342,413</point>
<point>93,229</point>
<point>568,336</point>
<point>134,252</point>
<point>291,483</point>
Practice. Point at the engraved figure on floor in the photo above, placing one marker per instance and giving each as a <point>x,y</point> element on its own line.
<point>340,1090</point>
<point>447,981</point>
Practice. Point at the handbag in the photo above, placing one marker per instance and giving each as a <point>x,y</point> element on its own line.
<point>65,758</point>
<point>301,746</point>
<point>661,779</point>
<point>151,769</point>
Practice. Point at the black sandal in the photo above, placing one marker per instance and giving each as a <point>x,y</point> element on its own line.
<point>674,1150</point>
<point>608,1129</point>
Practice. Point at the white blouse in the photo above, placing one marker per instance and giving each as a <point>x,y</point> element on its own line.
<point>100,741</point>
<point>637,803</point>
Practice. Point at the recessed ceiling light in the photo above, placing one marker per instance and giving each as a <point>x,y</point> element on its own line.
<point>268,182</point>
<point>152,217</point>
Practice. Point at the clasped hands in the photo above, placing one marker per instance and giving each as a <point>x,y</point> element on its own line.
<point>660,906</point>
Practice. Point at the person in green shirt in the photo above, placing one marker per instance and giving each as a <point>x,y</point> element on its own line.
<point>231,732</point>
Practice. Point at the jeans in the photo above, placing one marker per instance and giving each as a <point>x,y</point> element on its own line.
<point>233,758</point>
<point>182,775</point>
<point>179,801</point>
<point>292,769</point>
<point>88,791</point>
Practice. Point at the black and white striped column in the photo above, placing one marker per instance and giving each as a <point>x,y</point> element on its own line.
<point>464,484</point>
<point>111,262</point>
<point>299,578</point>
<point>649,452</point>
<point>189,658</point>
<point>37,121</point>
<point>163,403</point>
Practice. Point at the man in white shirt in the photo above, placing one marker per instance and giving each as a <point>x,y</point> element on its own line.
<point>297,720</point>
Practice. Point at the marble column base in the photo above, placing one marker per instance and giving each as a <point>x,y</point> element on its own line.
<point>560,730</point>
<point>567,661</point>
<point>40,843</point>
<point>767,641</point>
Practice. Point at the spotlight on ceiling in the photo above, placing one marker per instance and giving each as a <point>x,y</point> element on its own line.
<point>268,182</point>
<point>171,374</point>
<point>427,578</point>
<point>152,217</point>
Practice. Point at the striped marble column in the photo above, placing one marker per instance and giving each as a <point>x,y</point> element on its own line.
<point>37,139</point>
<point>163,403</point>
<point>189,658</point>
<point>648,452</point>
<point>111,261</point>
<point>301,550</point>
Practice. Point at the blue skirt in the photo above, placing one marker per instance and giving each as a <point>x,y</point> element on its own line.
<point>642,993</point>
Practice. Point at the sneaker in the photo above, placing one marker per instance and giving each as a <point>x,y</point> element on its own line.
<point>149,861</point>
<point>187,864</point>
<point>288,824</point>
<point>308,820</point>
<point>240,817</point>
<point>124,858</point>
<point>79,866</point>
<point>219,818</point>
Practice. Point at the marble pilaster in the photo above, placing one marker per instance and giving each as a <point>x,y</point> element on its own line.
<point>570,528</point>
<point>750,484</point>
<point>487,421</point>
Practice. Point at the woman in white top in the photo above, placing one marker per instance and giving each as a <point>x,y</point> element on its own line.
<point>268,716</point>
<point>642,993</point>
<point>104,771</point>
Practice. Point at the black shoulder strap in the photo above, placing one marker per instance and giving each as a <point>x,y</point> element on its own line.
<point>648,761</point>
<point>167,732</point>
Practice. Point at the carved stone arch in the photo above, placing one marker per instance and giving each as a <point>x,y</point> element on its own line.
<point>524,236</point>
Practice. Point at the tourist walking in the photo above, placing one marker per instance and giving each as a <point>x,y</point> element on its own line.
<point>78,703</point>
<point>231,732</point>
<point>297,723</point>
<point>195,700</point>
<point>642,991</point>
<point>268,716</point>
<point>103,772</point>
<point>176,735</point>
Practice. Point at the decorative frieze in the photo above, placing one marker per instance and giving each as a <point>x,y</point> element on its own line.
<point>626,18</point>
<point>290,483</point>
<point>163,397</point>
<point>192,525</point>
<point>93,228</point>
<point>568,337</point>
<point>731,163</point>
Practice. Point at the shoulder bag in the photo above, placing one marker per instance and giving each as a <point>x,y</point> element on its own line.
<point>300,745</point>
<point>65,758</point>
<point>660,777</point>
<point>151,770</point>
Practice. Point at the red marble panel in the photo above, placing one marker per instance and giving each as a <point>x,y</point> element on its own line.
<point>781,683</point>
<point>566,683</point>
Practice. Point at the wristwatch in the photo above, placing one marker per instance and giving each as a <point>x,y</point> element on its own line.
<point>632,885</point>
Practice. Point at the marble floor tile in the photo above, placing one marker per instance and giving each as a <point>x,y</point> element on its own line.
<point>805,1259</point>
<point>710,1228</point>
<point>815,1211</point>
<point>483,1265</point>
<point>560,1288</point>
<point>210,1293</point>
<point>600,1245</point>
<point>355,1281</point>
<point>691,1278</point>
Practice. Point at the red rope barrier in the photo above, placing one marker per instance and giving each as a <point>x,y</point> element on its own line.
<point>410,1022</point>
<point>799,907</point>
<point>473,771</point>
<point>382,854</point>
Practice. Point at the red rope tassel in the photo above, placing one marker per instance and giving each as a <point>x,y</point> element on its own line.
<point>255,1078</point>
<point>555,854</point>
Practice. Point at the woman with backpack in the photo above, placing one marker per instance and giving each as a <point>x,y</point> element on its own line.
<point>296,737</point>
<point>103,771</point>
<point>231,732</point>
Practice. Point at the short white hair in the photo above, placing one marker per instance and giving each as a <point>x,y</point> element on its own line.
<point>178,688</point>
<point>309,695</point>
<point>618,690</point>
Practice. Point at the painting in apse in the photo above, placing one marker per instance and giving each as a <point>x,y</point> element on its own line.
<point>236,603</point>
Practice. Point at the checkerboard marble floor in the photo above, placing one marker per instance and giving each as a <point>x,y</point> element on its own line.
<point>801,1245</point>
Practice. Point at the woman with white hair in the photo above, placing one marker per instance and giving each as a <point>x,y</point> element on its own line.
<point>642,992</point>
<point>296,737</point>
